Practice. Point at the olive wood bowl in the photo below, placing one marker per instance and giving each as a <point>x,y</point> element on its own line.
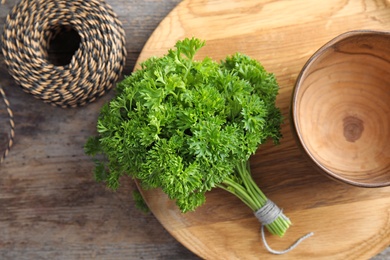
<point>340,108</point>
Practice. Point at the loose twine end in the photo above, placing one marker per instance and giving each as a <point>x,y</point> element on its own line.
<point>268,214</point>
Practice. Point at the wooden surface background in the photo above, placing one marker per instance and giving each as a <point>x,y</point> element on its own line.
<point>50,206</point>
<point>348,222</point>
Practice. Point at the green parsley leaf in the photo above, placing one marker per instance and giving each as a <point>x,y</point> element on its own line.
<point>188,126</point>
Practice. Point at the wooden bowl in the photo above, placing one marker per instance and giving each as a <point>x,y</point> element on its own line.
<point>340,108</point>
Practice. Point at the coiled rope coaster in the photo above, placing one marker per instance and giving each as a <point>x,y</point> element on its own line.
<point>92,70</point>
<point>11,133</point>
<point>268,214</point>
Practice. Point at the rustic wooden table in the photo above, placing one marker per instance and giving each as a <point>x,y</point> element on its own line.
<point>50,206</point>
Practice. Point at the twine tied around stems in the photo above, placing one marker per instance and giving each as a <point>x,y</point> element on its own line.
<point>268,214</point>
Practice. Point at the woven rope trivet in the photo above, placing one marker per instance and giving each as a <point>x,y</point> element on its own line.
<point>94,67</point>
<point>11,134</point>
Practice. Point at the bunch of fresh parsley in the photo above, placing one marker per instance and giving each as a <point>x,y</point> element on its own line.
<point>188,126</point>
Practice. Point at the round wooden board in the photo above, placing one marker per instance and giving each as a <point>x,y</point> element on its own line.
<point>348,222</point>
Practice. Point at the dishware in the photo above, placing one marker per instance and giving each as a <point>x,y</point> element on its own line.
<point>341,108</point>
<point>282,35</point>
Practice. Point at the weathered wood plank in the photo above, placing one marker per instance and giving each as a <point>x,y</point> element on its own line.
<point>50,206</point>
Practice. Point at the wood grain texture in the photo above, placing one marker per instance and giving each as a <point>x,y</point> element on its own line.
<point>50,206</point>
<point>348,222</point>
<point>340,108</point>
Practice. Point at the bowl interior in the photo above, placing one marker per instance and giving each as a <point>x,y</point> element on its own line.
<point>341,108</point>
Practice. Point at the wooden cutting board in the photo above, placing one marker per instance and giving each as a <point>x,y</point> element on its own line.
<point>348,222</point>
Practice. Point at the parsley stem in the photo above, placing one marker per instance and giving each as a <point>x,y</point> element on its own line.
<point>245,188</point>
<point>236,189</point>
<point>243,169</point>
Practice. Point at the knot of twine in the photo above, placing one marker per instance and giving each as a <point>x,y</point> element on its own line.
<point>93,69</point>
<point>268,214</point>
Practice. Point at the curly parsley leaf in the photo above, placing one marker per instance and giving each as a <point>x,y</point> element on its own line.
<point>185,125</point>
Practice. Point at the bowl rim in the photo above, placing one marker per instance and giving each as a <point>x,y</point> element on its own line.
<point>293,108</point>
